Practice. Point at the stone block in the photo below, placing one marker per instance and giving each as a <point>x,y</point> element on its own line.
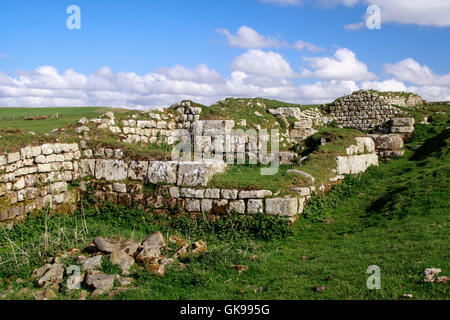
<point>282,206</point>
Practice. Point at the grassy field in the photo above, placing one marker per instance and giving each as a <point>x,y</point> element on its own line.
<point>394,216</point>
<point>12,118</point>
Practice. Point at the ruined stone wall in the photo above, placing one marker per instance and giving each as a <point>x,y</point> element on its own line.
<point>364,110</point>
<point>41,176</point>
<point>409,101</point>
<point>173,200</point>
<point>36,177</point>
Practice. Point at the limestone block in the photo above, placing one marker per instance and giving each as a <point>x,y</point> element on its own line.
<point>162,171</point>
<point>187,192</point>
<point>392,142</point>
<point>87,167</point>
<point>212,193</point>
<point>45,167</point>
<point>237,206</point>
<point>13,157</point>
<point>206,205</point>
<point>47,149</point>
<point>403,122</point>
<point>198,173</point>
<point>138,170</point>
<point>255,206</point>
<point>402,129</point>
<point>229,194</point>
<point>303,191</point>
<point>192,205</point>
<point>282,206</point>
<point>174,192</point>
<point>110,170</point>
<point>119,187</point>
<point>356,163</point>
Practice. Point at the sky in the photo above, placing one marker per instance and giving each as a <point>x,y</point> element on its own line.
<point>145,54</point>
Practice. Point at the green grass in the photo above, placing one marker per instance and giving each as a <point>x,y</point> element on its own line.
<point>320,165</point>
<point>13,117</point>
<point>395,216</point>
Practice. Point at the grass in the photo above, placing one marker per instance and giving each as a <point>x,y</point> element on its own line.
<point>320,164</point>
<point>13,117</point>
<point>394,216</point>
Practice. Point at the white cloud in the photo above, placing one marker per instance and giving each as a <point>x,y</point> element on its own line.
<point>3,56</point>
<point>254,73</point>
<point>199,73</point>
<point>421,12</point>
<point>326,91</point>
<point>355,26</point>
<point>248,38</point>
<point>411,71</point>
<point>386,85</point>
<point>300,45</point>
<point>343,66</point>
<point>284,2</point>
<point>262,63</point>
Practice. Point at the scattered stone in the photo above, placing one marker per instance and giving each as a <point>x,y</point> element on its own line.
<point>156,240</point>
<point>92,263</point>
<point>123,282</point>
<point>45,294</point>
<point>103,282</point>
<point>148,255</point>
<point>443,279</point>
<point>82,129</point>
<point>106,245</point>
<point>430,274</point>
<point>156,268</point>
<point>97,292</point>
<point>83,121</point>
<point>123,259</point>
<point>198,247</point>
<point>50,275</point>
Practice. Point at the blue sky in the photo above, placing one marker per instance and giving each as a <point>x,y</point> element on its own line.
<point>142,42</point>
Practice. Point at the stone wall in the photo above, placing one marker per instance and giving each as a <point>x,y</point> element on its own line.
<point>364,110</point>
<point>41,176</point>
<point>172,200</point>
<point>359,157</point>
<point>408,101</point>
<point>36,177</point>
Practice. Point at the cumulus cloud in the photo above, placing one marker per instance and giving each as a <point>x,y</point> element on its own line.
<point>254,73</point>
<point>263,63</point>
<point>343,66</point>
<point>199,73</point>
<point>300,45</point>
<point>411,71</point>
<point>421,12</point>
<point>247,38</point>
